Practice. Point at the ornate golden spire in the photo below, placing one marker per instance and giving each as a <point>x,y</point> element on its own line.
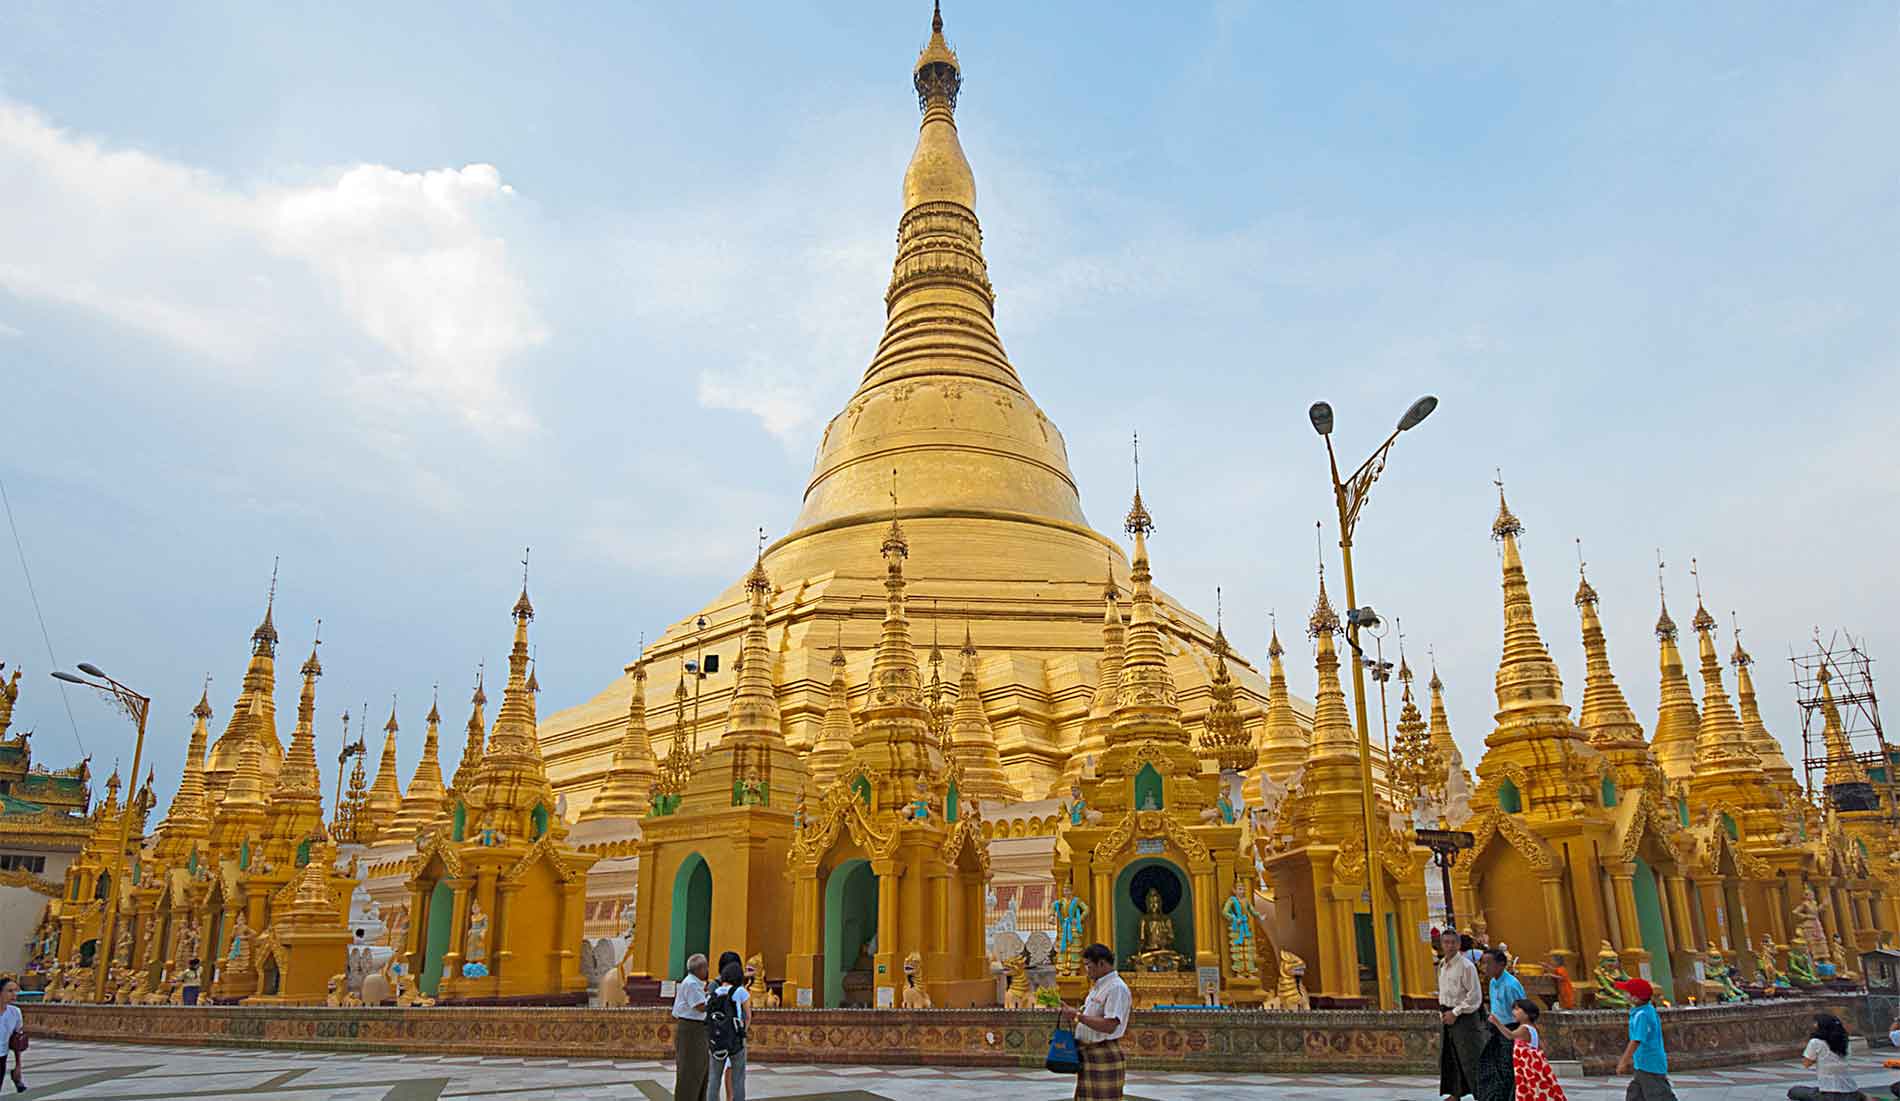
<point>1442,741</point>
<point>1673,739</point>
<point>894,735</point>
<point>833,751</point>
<point>629,787</point>
<point>255,712</point>
<point>935,697</point>
<point>1223,740</point>
<point>351,822</point>
<point>1145,705</point>
<point>754,713</point>
<point>682,757</point>
<point>186,818</point>
<point>1773,761</point>
<point>1416,765</point>
<point>1720,739</point>
<point>247,782</point>
<point>1332,730</point>
<point>973,741</point>
<point>426,798</point>
<point>512,744</point>
<point>1842,766</point>
<point>1282,738</point>
<point>385,795</point>
<point>311,906</point>
<point>1605,714</point>
<point>471,761</point>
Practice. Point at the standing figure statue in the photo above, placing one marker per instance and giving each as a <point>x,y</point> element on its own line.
<point>1767,972</point>
<point>1239,912</point>
<point>475,943</point>
<point>1070,914</point>
<point>1609,972</point>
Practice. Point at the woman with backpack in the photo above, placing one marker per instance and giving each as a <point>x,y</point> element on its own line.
<point>726,1021</point>
<point>12,1029</point>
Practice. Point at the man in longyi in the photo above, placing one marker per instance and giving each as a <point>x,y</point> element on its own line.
<point>1460,996</point>
<point>1099,1026</point>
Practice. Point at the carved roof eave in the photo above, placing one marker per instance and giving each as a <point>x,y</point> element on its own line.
<point>440,847</point>
<point>841,811</point>
<point>568,864</point>
<point>1494,822</point>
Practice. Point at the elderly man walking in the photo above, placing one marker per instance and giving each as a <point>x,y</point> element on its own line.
<point>1459,998</point>
<point>689,1030</point>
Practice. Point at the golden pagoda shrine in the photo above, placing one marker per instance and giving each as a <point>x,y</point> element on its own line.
<point>1549,810</point>
<point>254,713</point>
<point>991,508</point>
<point>714,852</point>
<point>972,742</point>
<point>890,864</point>
<point>1284,741</point>
<point>496,897</point>
<point>629,789</point>
<point>1673,742</point>
<point>385,793</point>
<point>1855,827</point>
<point>1316,856</point>
<point>1152,848</point>
<point>171,896</point>
<point>88,880</point>
<point>426,800</point>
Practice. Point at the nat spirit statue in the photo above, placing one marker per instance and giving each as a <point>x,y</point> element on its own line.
<point>1801,963</point>
<point>915,997</point>
<point>1239,912</point>
<point>1721,974</point>
<point>1070,914</point>
<point>475,945</point>
<point>1609,972</point>
<point>1766,972</point>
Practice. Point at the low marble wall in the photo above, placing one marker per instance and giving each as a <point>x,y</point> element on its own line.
<point>1364,1042</point>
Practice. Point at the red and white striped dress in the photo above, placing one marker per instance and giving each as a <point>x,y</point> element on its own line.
<point>1535,1080</point>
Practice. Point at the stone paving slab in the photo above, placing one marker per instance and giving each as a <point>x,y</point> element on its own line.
<point>84,1071</point>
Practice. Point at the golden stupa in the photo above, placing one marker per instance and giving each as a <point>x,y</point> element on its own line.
<point>1000,540</point>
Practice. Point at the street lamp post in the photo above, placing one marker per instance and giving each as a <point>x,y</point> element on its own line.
<point>1350,496</point>
<point>137,707</point>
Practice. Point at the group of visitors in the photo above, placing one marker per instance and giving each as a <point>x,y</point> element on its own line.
<point>709,1030</point>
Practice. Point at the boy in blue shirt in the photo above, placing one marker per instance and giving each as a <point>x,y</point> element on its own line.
<point>1645,1053</point>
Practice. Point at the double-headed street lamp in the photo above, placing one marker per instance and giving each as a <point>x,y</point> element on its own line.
<point>1350,497</point>
<point>135,706</point>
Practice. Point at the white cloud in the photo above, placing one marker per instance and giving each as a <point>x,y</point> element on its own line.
<point>413,262</point>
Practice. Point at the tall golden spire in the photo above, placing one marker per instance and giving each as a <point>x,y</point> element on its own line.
<point>1282,739</point>
<point>1720,739</point>
<point>1842,766</point>
<point>296,802</point>
<point>1145,705</point>
<point>426,798</point>
<point>186,819</point>
<point>351,825</point>
<point>1108,672</point>
<point>1224,741</point>
<point>936,698</point>
<point>512,744</point>
<point>1673,740</point>
<point>246,788</point>
<point>385,794</point>
<point>832,752</point>
<point>629,787</point>
<point>754,713</point>
<point>893,733</point>
<point>1416,766</point>
<point>1332,730</point>
<point>995,452</point>
<point>1773,762</point>
<point>973,741</point>
<point>1440,728</point>
<point>255,711</point>
<point>1605,714</point>
<point>1533,732</point>
<point>472,749</point>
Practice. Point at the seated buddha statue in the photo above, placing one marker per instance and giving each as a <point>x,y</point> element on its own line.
<point>1157,937</point>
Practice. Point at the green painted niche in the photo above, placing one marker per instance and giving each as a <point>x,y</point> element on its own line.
<point>1509,800</point>
<point>540,821</point>
<point>1728,824</point>
<point>458,822</point>
<point>862,787</point>
<point>1609,791</point>
<point>950,803</point>
<point>303,852</point>
<point>1149,793</point>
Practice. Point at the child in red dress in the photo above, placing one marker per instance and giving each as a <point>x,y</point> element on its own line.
<point>1529,1068</point>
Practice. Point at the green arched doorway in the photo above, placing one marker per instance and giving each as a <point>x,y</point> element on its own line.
<point>441,915</point>
<point>850,921</point>
<point>1177,901</point>
<point>1649,923</point>
<point>692,913</point>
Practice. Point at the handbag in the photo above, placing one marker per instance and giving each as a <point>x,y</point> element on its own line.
<point>17,1041</point>
<point>1064,1057</point>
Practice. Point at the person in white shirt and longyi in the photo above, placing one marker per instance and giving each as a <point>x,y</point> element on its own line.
<point>690,1053</point>
<point>1099,1026</point>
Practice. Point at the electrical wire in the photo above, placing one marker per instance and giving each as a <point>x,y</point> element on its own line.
<point>44,636</point>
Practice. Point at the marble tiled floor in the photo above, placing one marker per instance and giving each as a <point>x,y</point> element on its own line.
<point>134,1073</point>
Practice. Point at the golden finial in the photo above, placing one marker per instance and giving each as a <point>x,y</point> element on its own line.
<point>1138,521</point>
<point>1431,655</point>
<point>390,727</point>
<point>1740,657</point>
<point>1274,649</point>
<point>1703,621</point>
<point>265,637</point>
<point>481,671</point>
<point>203,710</point>
<point>1585,593</point>
<point>1405,671</point>
<point>435,699</point>
<point>969,646</point>
<point>1505,524</point>
<point>1109,591</point>
<point>758,581</point>
<point>524,610</point>
<point>894,540</point>
<point>1665,627</point>
<point>937,76</point>
<point>1324,620</point>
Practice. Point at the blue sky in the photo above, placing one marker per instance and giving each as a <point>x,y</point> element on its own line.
<point>393,293</point>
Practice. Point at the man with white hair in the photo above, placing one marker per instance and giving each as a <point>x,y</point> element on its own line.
<point>689,1030</point>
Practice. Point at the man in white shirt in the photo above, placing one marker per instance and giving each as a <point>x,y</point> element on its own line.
<point>1460,995</point>
<point>1099,1026</point>
<point>689,1030</point>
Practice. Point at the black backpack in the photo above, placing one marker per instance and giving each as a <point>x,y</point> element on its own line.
<point>725,1032</point>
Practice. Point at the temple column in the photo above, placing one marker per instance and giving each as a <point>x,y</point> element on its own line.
<point>1630,947</point>
<point>1684,926</point>
<point>1101,917</point>
<point>1415,969</point>
<point>1552,887</point>
<point>805,962</point>
<point>452,955</point>
<point>886,963</point>
<point>1207,938</point>
<point>1866,937</point>
<point>1830,921</point>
